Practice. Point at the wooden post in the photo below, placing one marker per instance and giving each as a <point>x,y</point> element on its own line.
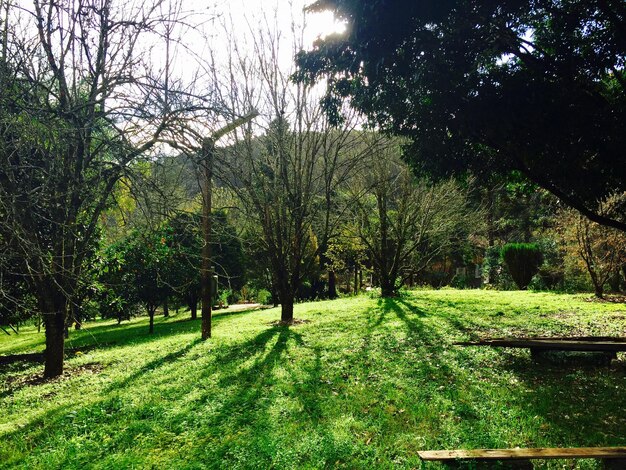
<point>205,270</point>
<point>208,150</point>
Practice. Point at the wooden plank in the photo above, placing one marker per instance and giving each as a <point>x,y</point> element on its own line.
<point>546,344</point>
<point>524,454</point>
<point>609,339</point>
<point>612,339</point>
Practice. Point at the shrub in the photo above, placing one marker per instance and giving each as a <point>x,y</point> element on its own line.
<point>552,278</point>
<point>264,297</point>
<point>523,261</point>
<point>495,274</point>
<point>224,297</point>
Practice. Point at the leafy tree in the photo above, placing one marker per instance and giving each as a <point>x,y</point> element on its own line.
<point>80,103</point>
<point>348,253</point>
<point>187,242</point>
<point>141,270</point>
<point>490,87</point>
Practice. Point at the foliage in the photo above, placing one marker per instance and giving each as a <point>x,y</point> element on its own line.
<point>141,269</point>
<point>364,385</point>
<point>523,261</point>
<point>402,222</point>
<point>264,297</point>
<point>596,249</point>
<point>494,270</point>
<point>155,264</point>
<point>80,104</point>
<point>491,87</point>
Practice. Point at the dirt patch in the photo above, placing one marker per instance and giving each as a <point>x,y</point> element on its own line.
<point>15,383</point>
<point>611,298</point>
<point>289,323</point>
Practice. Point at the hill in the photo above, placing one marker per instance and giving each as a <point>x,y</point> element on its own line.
<point>362,383</point>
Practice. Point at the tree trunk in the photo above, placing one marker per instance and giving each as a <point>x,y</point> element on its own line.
<point>275,297</point>
<point>599,290</point>
<point>151,311</point>
<point>614,281</point>
<point>205,270</point>
<point>166,308</point>
<point>193,307</point>
<point>490,213</point>
<point>597,285</point>
<point>386,287</point>
<point>356,279</point>
<point>54,320</point>
<point>286,306</point>
<point>332,284</point>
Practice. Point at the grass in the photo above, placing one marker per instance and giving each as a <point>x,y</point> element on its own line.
<point>366,383</point>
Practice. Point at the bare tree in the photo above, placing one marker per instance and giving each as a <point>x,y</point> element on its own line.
<point>599,248</point>
<point>84,104</point>
<point>402,222</point>
<point>287,168</point>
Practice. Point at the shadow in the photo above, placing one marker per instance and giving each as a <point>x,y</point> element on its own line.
<point>154,365</point>
<point>91,338</point>
<point>368,390</point>
<point>248,385</point>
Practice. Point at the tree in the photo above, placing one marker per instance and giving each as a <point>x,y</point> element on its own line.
<point>523,261</point>
<point>187,248</point>
<point>81,104</point>
<point>142,269</point>
<point>348,253</point>
<point>490,87</point>
<point>601,249</point>
<point>286,174</point>
<point>403,222</point>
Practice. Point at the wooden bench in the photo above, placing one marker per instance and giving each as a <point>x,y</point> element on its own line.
<point>614,457</point>
<point>608,346</point>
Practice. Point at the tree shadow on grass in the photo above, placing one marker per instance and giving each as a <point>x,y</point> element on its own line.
<point>153,365</point>
<point>481,400</point>
<point>579,400</point>
<point>248,386</point>
<point>531,404</point>
<point>101,337</point>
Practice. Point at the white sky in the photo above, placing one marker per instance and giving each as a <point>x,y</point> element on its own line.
<point>236,18</point>
<point>216,26</point>
<point>224,24</point>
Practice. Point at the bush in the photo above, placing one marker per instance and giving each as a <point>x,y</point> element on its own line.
<point>495,273</point>
<point>523,261</point>
<point>264,297</point>
<point>551,278</point>
<point>224,297</point>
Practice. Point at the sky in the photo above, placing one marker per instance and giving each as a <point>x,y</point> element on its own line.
<point>219,22</point>
<point>207,30</point>
<point>224,24</point>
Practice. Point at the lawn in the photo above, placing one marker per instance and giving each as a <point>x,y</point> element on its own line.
<point>364,383</point>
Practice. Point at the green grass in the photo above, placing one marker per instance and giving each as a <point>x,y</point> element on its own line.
<point>365,384</point>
